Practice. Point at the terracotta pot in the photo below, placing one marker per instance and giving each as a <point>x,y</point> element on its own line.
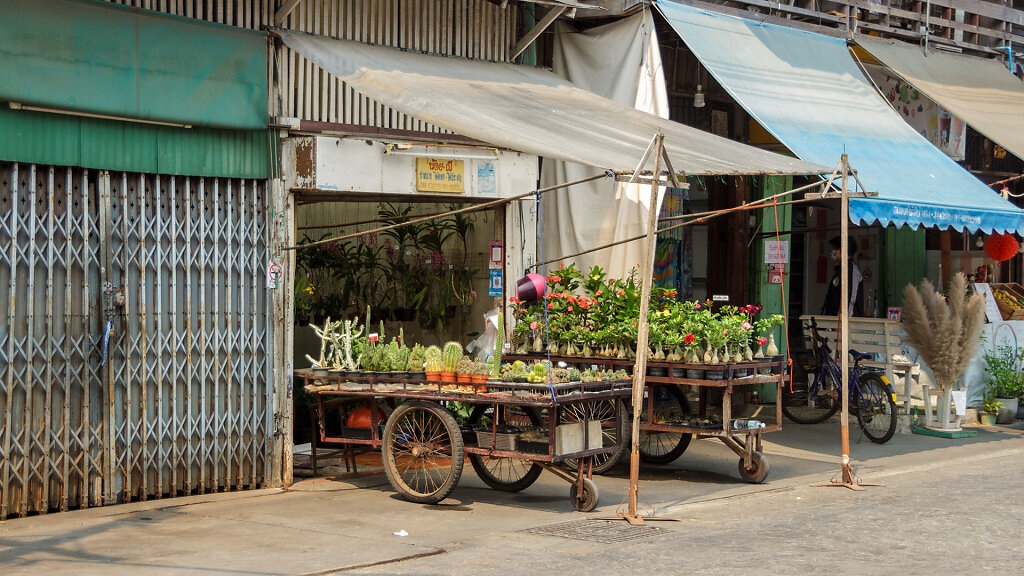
<point>479,378</point>
<point>464,378</point>
<point>447,376</point>
<point>433,376</point>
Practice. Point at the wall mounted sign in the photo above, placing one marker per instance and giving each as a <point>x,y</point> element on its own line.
<point>440,175</point>
<point>274,275</point>
<point>776,251</point>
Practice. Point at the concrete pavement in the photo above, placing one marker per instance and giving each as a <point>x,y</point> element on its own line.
<point>946,502</point>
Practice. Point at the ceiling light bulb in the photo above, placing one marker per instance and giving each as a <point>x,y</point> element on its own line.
<point>698,98</point>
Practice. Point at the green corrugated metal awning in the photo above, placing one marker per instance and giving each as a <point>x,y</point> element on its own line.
<point>96,57</point>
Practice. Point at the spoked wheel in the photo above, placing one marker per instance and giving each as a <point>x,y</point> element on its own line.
<point>423,453</point>
<point>811,400</point>
<point>613,416</point>
<point>758,470</point>
<point>670,405</point>
<point>586,501</point>
<point>876,410</point>
<point>508,474</point>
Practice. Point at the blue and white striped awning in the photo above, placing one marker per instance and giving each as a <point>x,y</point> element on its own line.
<point>808,92</point>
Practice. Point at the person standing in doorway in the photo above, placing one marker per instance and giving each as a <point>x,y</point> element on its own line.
<point>833,296</point>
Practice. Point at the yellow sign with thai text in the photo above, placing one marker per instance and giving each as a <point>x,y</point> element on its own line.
<point>440,175</point>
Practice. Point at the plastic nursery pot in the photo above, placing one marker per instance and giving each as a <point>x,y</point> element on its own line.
<point>714,374</point>
<point>418,375</point>
<point>448,377</point>
<point>320,371</point>
<point>694,374</point>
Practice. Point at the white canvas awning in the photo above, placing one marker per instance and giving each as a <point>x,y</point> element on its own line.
<point>530,110</point>
<point>980,91</point>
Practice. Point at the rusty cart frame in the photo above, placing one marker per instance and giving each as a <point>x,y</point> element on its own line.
<point>745,442</point>
<point>421,435</point>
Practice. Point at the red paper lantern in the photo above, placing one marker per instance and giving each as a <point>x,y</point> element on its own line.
<point>1001,247</point>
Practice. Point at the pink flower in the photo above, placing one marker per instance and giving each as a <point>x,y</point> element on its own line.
<point>689,339</point>
<point>533,325</point>
<point>551,306</point>
<point>762,341</point>
<point>746,326</point>
<point>697,305</point>
<point>599,292</point>
<point>725,331</point>
<point>621,292</point>
<point>570,308</point>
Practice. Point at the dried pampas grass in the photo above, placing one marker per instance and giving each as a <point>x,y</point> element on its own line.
<point>945,331</point>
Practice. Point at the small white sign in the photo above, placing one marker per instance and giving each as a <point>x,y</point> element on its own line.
<point>720,298</point>
<point>274,275</point>
<point>776,251</point>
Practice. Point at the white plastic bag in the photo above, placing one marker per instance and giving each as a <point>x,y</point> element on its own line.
<point>483,346</point>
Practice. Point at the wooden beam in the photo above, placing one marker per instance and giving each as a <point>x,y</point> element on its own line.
<point>282,13</point>
<point>537,30</point>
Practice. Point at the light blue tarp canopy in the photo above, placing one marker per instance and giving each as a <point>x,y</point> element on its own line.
<point>808,92</point>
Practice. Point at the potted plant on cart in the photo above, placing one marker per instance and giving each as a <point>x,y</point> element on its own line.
<point>417,362</point>
<point>433,363</point>
<point>464,371</point>
<point>451,355</point>
<point>1004,380</point>
<point>717,335</point>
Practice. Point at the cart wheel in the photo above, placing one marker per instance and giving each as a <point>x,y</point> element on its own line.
<point>664,447</point>
<point>423,453</point>
<point>615,429</point>
<point>506,474</point>
<point>758,470</point>
<point>588,500</point>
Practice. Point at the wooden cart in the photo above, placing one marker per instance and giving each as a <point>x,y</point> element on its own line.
<point>515,430</point>
<point>668,422</point>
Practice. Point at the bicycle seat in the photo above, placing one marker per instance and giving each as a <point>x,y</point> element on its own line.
<point>858,356</point>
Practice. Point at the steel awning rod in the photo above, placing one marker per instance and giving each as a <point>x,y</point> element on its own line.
<point>475,208</point>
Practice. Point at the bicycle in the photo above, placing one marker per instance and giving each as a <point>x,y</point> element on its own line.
<point>815,399</point>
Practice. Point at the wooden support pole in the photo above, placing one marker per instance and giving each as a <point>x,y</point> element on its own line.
<point>640,368</point>
<point>844,320</point>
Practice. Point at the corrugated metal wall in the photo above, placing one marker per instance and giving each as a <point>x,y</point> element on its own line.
<point>476,29</point>
<point>175,398</point>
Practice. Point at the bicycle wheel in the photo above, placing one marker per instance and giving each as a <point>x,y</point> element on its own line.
<point>813,400</point>
<point>615,430</point>
<point>506,474</point>
<point>670,405</point>
<point>423,453</point>
<point>876,410</point>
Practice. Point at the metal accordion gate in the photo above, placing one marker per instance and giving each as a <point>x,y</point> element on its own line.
<point>135,345</point>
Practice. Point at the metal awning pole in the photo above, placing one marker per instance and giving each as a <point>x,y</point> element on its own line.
<point>640,368</point>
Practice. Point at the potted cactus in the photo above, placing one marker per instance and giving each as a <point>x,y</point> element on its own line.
<point>481,372</point>
<point>464,371</point>
<point>417,361</point>
<point>451,354</point>
<point>433,363</point>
